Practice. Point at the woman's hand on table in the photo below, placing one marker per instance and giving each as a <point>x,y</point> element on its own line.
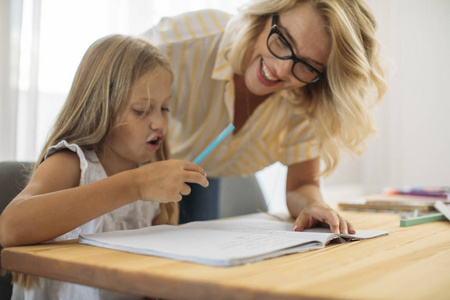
<point>316,213</point>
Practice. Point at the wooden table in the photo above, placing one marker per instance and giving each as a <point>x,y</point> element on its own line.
<point>410,263</point>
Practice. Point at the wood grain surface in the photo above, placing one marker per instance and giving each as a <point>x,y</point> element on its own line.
<point>411,263</point>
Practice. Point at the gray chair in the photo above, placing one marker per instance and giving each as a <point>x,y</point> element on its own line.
<point>13,178</point>
<point>224,197</point>
<point>240,196</point>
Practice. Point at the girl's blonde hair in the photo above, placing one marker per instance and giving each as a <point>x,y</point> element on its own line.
<point>340,105</point>
<point>99,96</point>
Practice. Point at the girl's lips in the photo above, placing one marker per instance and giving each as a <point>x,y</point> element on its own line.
<point>262,78</point>
<point>155,144</point>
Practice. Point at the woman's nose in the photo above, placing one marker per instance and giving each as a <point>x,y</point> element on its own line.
<point>284,68</point>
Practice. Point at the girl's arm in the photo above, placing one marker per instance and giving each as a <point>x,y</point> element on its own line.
<point>305,202</point>
<point>53,203</point>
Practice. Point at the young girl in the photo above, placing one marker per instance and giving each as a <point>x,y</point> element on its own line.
<point>93,174</point>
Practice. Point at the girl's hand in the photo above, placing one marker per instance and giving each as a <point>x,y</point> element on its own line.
<point>321,212</point>
<point>165,181</point>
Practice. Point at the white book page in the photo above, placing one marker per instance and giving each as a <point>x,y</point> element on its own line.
<point>219,242</point>
<point>279,228</point>
<point>196,243</point>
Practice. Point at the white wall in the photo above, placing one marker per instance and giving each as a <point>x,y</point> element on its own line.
<point>413,146</point>
<point>10,18</point>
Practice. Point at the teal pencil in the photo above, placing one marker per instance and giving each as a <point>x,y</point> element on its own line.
<point>214,143</point>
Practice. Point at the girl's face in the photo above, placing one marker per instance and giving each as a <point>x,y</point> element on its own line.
<point>144,124</point>
<point>305,31</point>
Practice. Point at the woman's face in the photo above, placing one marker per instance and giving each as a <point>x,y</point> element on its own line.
<point>305,31</point>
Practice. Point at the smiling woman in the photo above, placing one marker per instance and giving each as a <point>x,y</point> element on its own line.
<point>292,76</point>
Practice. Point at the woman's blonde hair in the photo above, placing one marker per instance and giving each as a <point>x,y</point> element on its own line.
<point>99,96</point>
<point>340,105</point>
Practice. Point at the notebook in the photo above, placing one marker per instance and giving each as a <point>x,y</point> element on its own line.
<point>221,243</point>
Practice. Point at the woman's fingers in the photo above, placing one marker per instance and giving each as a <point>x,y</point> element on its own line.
<point>342,225</point>
<point>301,222</point>
<point>312,215</point>
<point>351,229</point>
<point>304,220</point>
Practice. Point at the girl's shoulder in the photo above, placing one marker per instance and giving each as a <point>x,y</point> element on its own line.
<point>69,147</point>
<point>86,161</point>
<point>59,171</point>
<point>64,145</point>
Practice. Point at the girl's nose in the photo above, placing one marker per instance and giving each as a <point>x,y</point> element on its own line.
<point>157,121</point>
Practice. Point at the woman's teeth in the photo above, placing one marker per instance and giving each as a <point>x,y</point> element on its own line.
<point>266,73</point>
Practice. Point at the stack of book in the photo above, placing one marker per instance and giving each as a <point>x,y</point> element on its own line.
<point>400,200</point>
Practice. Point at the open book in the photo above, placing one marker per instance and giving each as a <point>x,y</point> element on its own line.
<point>221,242</point>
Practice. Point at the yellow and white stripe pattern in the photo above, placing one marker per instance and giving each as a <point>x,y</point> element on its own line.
<point>203,103</point>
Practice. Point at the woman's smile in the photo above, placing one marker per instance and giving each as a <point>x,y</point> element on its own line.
<point>265,75</point>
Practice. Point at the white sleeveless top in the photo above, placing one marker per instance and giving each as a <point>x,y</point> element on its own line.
<point>131,216</point>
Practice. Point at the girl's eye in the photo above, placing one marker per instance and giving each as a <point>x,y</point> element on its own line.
<point>138,112</point>
<point>165,109</point>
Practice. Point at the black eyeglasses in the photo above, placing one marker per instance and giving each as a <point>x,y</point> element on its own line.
<point>280,48</point>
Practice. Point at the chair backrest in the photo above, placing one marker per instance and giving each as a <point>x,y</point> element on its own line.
<point>13,178</point>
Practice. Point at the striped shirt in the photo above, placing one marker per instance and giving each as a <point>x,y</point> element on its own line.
<point>203,103</point>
